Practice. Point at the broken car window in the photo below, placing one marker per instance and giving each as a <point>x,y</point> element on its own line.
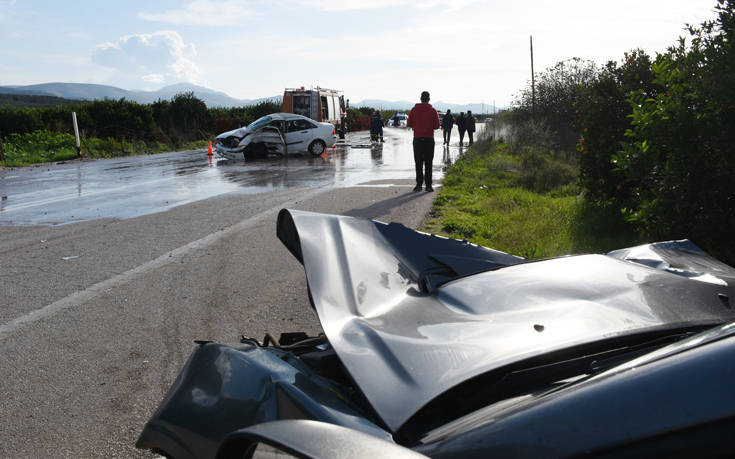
<point>259,123</point>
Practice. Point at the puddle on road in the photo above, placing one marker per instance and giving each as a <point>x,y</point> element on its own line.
<point>139,185</point>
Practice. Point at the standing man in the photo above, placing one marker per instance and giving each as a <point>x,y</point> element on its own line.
<point>461,127</point>
<point>423,119</point>
<point>447,125</point>
<point>470,125</point>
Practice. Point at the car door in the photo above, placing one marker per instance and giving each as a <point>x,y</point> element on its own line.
<point>299,133</point>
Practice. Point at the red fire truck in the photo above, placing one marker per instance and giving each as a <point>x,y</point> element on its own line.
<point>319,104</point>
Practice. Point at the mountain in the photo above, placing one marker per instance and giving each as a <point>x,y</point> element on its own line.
<point>86,91</point>
<point>81,91</point>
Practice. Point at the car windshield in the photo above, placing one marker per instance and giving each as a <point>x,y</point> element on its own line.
<point>259,123</point>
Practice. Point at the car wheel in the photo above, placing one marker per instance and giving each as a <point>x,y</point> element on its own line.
<point>317,147</point>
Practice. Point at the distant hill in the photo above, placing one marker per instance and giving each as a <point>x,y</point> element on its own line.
<point>23,100</point>
<point>86,91</point>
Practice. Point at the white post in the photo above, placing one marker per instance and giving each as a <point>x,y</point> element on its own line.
<point>76,133</point>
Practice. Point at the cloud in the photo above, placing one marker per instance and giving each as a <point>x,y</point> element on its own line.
<point>204,13</point>
<point>154,58</point>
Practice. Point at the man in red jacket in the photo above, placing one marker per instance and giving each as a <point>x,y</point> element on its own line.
<point>423,119</point>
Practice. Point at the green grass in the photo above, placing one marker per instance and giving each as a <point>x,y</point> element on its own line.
<point>47,146</point>
<point>502,200</point>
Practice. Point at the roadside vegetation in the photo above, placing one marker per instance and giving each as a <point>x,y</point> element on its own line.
<point>524,201</point>
<point>110,128</point>
<point>38,129</point>
<point>593,159</point>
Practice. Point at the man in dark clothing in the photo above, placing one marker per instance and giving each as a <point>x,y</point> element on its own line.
<point>470,125</point>
<point>461,127</point>
<point>423,119</point>
<point>447,125</point>
<point>376,127</point>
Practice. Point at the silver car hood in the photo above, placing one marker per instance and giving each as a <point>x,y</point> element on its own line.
<point>409,319</point>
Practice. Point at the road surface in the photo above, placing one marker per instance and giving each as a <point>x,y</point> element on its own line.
<point>111,269</point>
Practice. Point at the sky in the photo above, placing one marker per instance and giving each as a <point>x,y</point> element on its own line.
<point>462,51</point>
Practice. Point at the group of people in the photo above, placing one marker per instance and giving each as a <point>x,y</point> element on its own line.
<point>464,124</point>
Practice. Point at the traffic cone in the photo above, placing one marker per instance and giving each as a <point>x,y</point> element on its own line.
<point>209,150</point>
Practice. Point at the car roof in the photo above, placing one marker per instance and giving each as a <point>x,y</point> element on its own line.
<point>288,116</point>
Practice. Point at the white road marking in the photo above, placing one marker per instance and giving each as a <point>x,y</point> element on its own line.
<point>88,294</point>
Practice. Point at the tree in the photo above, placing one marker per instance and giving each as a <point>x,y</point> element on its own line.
<point>557,91</point>
<point>679,153</point>
<point>603,116</point>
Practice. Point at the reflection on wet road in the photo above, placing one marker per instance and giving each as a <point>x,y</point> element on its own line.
<point>139,185</point>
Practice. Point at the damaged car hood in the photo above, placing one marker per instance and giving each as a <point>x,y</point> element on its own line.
<point>411,315</point>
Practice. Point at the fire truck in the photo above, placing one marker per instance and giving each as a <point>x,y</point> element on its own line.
<point>319,104</point>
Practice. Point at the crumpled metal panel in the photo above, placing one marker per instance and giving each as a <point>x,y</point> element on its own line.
<point>406,332</point>
<point>681,257</point>
<point>225,388</point>
<point>270,136</point>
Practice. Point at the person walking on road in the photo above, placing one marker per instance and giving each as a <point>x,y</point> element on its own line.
<point>447,125</point>
<point>423,119</point>
<point>470,125</point>
<point>461,127</point>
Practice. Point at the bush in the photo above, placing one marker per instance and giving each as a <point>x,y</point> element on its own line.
<point>603,115</point>
<point>679,152</point>
<point>556,93</point>
<point>38,146</point>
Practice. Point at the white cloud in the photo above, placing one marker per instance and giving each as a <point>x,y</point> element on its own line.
<point>204,13</point>
<point>154,58</point>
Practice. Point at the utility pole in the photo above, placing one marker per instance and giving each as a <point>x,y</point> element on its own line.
<point>533,82</point>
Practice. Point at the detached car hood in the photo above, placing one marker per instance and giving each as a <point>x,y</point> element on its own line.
<point>410,321</point>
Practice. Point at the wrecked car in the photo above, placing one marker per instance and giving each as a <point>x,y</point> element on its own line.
<point>442,348</point>
<point>277,133</point>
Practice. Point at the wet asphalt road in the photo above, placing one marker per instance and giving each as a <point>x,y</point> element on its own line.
<point>140,185</point>
<point>110,269</point>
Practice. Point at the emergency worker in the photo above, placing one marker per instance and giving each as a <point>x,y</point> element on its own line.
<point>376,127</point>
<point>423,119</point>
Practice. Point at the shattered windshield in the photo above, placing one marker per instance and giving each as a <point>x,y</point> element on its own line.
<point>259,123</point>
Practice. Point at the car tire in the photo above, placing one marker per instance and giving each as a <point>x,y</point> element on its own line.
<point>317,147</point>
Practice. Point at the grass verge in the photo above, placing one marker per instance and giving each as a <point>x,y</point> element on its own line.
<point>46,146</point>
<point>517,203</point>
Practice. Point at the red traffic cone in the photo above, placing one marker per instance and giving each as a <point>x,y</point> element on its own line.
<point>209,150</point>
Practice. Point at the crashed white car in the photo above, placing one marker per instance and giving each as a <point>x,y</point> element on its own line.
<point>277,133</point>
